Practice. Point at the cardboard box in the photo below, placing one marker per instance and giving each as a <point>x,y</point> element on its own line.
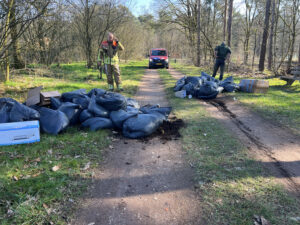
<point>19,133</point>
<point>45,97</point>
<point>35,96</point>
<point>254,86</point>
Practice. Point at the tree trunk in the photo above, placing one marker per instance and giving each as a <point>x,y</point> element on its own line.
<point>6,29</point>
<point>294,23</point>
<point>198,33</point>
<point>230,12</point>
<point>246,49</point>
<point>270,57</point>
<point>225,21</point>
<point>18,63</point>
<point>299,56</point>
<point>275,34</point>
<point>88,44</point>
<point>263,48</point>
<point>254,49</point>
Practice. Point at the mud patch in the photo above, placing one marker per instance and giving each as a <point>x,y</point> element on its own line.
<point>169,130</point>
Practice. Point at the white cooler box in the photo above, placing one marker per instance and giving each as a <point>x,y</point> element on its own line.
<point>19,133</point>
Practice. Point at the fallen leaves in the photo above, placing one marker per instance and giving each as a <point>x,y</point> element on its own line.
<point>260,220</point>
<point>87,166</point>
<point>55,168</point>
<point>48,210</point>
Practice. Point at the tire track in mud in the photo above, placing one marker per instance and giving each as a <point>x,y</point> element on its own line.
<point>280,147</point>
<point>221,106</point>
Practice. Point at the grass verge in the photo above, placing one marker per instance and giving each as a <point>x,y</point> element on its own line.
<point>233,186</point>
<point>30,191</point>
<point>281,104</point>
<point>69,77</point>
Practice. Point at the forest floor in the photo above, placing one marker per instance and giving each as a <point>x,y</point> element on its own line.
<point>201,173</point>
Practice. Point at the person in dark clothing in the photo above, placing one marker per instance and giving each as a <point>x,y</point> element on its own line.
<point>222,53</point>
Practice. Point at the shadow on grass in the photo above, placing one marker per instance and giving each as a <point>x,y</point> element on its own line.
<point>288,89</point>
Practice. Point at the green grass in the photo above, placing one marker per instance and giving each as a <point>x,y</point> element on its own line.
<point>233,186</point>
<point>30,192</point>
<point>281,104</point>
<point>69,77</point>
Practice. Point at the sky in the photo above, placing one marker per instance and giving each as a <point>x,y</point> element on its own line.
<point>140,7</point>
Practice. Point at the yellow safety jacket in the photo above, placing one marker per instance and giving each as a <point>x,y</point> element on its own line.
<point>108,53</point>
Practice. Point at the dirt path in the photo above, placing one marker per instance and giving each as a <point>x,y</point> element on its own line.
<point>277,148</point>
<point>143,182</point>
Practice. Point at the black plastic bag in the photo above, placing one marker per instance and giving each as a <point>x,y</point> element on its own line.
<point>148,109</point>
<point>97,123</point>
<point>205,77</point>
<point>21,112</point>
<point>131,109</point>
<point>55,103</point>
<point>53,121</point>
<point>228,84</point>
<point>68,96</point>
<point>72,111</point>
<point>179,84</point>
<point>96,109</point>
<point>13,111</point>
<point>118,117</point>
<point>142,125</point>
<point>4,113</point>
<point>84,115</point>
<point>190,89</point>
<point>195,81</point>
<point>82,100</point>
<point>209,90</point>
<point>133,103</point>
<point>96,91</point>
<point>112,101</point>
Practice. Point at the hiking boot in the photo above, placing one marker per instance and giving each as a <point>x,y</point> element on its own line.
<point>111,87</point>
<point>120,88</point>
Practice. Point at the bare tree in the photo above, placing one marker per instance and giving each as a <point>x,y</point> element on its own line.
<point>295,12</point>
<point>270,57</point>
<point>250,16</point>
<point>263,48</point>
<point>11,30</point>
<point>229,23</point>
<point>225,21</point>
<point>198,32</point>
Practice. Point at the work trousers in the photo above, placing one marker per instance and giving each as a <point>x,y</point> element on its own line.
<point>219,63</point>
<point>113,74</point>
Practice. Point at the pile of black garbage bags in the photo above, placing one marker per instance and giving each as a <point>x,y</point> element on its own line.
<point>95,110</point>
<point>205,86</point>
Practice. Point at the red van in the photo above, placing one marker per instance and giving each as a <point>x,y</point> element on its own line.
<point>158,57</point>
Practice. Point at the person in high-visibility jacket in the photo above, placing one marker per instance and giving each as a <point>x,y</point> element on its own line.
<point>108,54</point>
